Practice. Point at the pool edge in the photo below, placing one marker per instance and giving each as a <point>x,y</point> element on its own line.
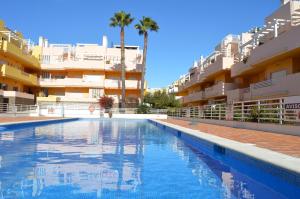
<point>7,124</point>
<point>277,159</point>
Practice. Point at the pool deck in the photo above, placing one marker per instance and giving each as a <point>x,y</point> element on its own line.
<point>286,144</point>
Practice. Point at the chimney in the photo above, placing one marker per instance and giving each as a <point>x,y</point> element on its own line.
<point>46,43</point>
<point>195,64</point>
<point>41,41</point>
<point>104,41</point>
<point>283,2</point>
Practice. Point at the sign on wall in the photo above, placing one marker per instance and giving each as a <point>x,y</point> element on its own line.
<point>292,108</point>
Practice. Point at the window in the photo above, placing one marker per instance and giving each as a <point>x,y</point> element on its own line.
<point>46,75</point>
<point>3,86</point>
<point>96,92</point>
<point>278,74</point>
<point>58,77</point>
<point>44,92</point>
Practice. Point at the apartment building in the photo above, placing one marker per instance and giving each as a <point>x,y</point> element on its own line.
<point>173,88</point>
<point>209,78</point>
<point>65,73</point>
<point>269,63</point>
<point>84,72</point>
<point>260,64</point>
<point>19,68</point>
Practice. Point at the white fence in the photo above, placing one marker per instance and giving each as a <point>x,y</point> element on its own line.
<point>78,110</point>
<point>260,111</point>
<point>265,111</point>
<point>17,109</point>
<point>216,111</point>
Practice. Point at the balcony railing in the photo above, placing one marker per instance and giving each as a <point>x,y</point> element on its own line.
<point>72,64</point>
<point>286,86</point>
<point>18,94</point>
<point>266,45</point>
<point>19,53</point>
<point>219,89</point>
<point>54,98</point>
<point>197,96</point>
<point>130,67</point>
<point>238,95</point>
<point>221,63</point>
<point>71,82</point>
<point>117,84</point>
<point>19,75</point>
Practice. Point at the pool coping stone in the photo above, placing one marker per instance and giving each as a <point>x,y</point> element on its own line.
<point>36,121</point>
<point>284,161</point>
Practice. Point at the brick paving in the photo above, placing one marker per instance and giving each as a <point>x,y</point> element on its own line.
<point>286,144</point>
<point>21,119</point>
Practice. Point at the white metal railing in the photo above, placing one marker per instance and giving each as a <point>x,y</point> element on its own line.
<point>259,111</point>
<point>19,42</point>
<point>215,111</point>
<point>268,32</point>
<point>17,108</point>
<point>269,110</point>
<point>63,109</point>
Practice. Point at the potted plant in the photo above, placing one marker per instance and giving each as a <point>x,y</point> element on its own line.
<point>107,103</point>
<point>254,114</point>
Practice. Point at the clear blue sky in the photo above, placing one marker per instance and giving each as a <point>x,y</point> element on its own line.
<point>188,28</point>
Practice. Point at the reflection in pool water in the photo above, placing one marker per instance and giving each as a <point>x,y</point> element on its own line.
<point>119,159</point>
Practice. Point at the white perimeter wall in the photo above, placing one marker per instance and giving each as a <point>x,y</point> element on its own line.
<point>96,114</point>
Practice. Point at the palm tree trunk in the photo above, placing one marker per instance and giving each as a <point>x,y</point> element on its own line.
<point>144,65</point>
<point>123,105</point>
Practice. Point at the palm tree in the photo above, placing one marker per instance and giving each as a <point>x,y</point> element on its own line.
<point>145,25</point>
<point>122,19</point>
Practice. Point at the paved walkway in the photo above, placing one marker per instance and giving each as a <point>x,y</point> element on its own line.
<point>20,119</point>
<point>286,144</point>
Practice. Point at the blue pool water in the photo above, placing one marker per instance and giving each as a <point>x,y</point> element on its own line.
<point>124,159</point>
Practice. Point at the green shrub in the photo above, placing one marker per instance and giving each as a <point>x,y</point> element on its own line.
<point>143,109</point>
<point>254,114</point>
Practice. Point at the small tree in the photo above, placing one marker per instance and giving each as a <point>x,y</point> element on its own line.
<point>161,100</point>
<point>106,102</point>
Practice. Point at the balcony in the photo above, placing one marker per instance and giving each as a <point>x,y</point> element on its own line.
<point>72,64</point>
<point>188,84</point>
<point>194,97</point>
<point>19,54</point>
<point>18,75</point>
<point>219,89</point>
<point>238,95</point>
<point>191,79</point>
<point>286,86</point>
<point>129,67</point>
<point>278,48</point>
<point>117,84</point>
<point>71,82</point>
<point>17,94</point>
<point>54,98</point>
<point>221,63</point>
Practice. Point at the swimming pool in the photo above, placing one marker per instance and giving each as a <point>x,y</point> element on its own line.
<point>121,158</point>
